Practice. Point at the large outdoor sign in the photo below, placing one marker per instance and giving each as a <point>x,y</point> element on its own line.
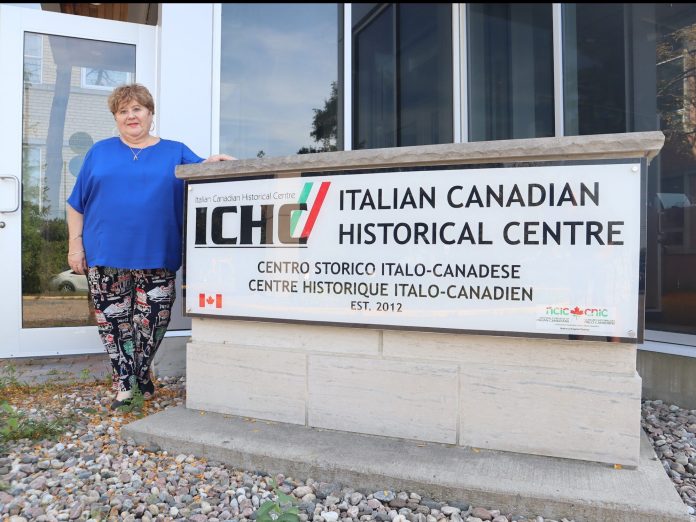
<point>535,249</point>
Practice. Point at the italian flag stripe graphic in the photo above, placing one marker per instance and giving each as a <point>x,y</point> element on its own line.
<point>316,207</point>
<point>297,213</point>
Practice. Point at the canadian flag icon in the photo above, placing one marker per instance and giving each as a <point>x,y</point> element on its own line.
<point>208,300</point>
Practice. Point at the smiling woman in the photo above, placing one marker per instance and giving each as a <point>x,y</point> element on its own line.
<point>124,232</point>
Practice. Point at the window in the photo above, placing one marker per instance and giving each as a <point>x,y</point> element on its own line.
<point>33,58</point>
<point>60,122</point>
<point>510,57</point>
<point>594,48</point>
<point>33,180</point>
<point>668,61</point>
<point>402,75</point>
<point>279,79</point>
<point>94,78</point>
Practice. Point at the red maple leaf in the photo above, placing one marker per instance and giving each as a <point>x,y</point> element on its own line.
<point>577,311</point>
<point>210,300</point>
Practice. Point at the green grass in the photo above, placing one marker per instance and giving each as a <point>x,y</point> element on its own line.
<point>8,376</point>
<point>15,425</point>
<point>284,508</point>
<point>137,401</point>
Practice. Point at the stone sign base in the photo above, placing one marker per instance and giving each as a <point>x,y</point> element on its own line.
<point>572,399</point>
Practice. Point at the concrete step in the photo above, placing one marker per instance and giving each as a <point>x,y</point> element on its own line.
<point>515,483</point>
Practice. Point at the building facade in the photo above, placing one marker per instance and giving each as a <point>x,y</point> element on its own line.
<point>258,80</point>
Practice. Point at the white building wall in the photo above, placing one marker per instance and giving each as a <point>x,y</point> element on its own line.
<point>184,84</point>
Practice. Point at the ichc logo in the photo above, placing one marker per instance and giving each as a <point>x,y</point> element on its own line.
<point>288,224</point>
<point>567,311</point>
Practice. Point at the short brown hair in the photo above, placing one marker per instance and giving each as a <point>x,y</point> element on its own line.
<point>126,93</point>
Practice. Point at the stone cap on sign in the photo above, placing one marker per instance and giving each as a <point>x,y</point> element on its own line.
<point>597,146</point>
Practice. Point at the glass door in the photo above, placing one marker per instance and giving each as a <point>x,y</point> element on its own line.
<point>58,71</point>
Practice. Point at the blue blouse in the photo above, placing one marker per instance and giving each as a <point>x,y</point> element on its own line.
<point>133,209</point>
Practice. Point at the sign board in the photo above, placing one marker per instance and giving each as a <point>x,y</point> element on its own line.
<point>548,249</point>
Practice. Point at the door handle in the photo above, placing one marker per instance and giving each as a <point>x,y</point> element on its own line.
<point>16,180</point>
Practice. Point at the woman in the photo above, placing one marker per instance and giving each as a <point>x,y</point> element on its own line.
<point>125,218</point>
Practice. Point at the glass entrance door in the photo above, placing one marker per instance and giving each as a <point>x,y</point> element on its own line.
<point>58,71</point>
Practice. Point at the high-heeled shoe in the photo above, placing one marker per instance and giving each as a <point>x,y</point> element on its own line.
<point>147,389</point>
<point>120,404</point>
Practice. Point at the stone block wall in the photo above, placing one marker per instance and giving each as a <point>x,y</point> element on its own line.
<point>569,399</point>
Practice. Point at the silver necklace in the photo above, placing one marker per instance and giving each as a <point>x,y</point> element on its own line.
<point>135,154</point>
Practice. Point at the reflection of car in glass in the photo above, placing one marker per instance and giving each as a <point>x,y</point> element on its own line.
<point>68,281</point>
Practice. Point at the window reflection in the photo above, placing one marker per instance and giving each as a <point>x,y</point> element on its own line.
<point>510,54</point>
<point>279,73</point>
<point>99,78</point>
<point>375,83</point>
<point>402,75</point>
<point>593,48</point>
<point>33,58</point>
<point>674,199</point>
<point>61,120</point>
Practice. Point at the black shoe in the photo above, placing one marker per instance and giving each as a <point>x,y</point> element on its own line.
<point>147,389</point>
<point>121,404</point>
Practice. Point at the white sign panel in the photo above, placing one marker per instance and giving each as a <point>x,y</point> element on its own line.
<point>534,250</point>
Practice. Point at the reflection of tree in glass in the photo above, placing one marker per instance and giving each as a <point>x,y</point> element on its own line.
<point>103,77</point>
<point>676,89</point>
<point>676,103</point>
<point>44,240</point>
<point>325,124</point>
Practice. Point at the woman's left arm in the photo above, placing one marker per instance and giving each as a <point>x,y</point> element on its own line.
<point>219,157</point>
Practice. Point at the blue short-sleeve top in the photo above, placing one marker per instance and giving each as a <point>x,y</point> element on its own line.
<point>132,209</point>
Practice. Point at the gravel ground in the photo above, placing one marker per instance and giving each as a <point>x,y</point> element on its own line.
<point>90,473</point>
<point>672,431</point>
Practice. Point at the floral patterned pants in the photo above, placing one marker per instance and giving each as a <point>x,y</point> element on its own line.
<point>132,309</point>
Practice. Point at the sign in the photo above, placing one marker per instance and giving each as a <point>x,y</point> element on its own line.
<point>539,250</point>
